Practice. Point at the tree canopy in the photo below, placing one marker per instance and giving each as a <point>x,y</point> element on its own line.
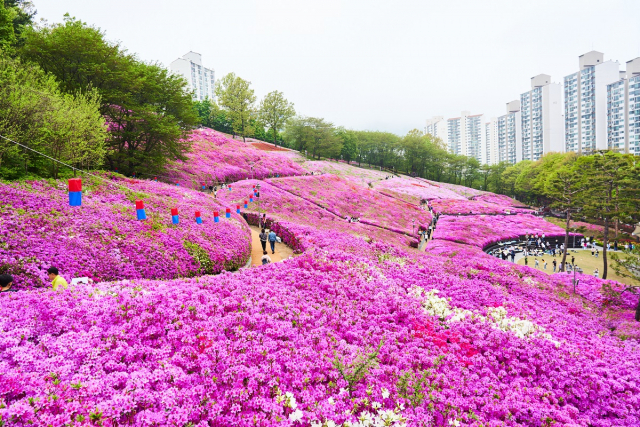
<point>148,110</point>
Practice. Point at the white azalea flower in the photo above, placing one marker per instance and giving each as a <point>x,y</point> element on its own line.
<point>385,393</point>
<point>332,401</point>
<point>296,415</point>
<point>376,405</point>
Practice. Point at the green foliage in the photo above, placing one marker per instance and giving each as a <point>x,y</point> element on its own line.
<point>34,112</point>
<point>358,369</point>
<point>275,111</point>
<point>629,268</point>
<point>200,255</point>
<point>314,135</point>
<point>236,97</point>
<point>148,110</point>
<point>7,34</point>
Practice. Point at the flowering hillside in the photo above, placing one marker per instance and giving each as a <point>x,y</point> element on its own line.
<point>499,199</point>
<point>216,157</point>
<point>465,192</point>
<point>102,238</point>
<point>345,198</point>
<point>475,207</point>
<point>344,170</point>
<point>294,211</point>
<point>414,191</point>
<point>356,330</point>
<point>484,230</point>
<point>281,345</point>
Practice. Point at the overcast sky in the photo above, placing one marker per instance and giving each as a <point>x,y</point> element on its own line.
<point>372,64</point>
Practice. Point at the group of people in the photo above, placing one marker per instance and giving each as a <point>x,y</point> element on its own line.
<point>352,219</point>
<point>57,281</point>
<point>265,237</point>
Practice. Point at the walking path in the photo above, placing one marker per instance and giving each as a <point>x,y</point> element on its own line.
<point>282,251</point>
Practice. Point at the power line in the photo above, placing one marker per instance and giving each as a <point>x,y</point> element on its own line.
<point>67,165</point>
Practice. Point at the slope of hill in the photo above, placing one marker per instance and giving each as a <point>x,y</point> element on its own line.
<point>102,238</point>
<point>214,157</point>
<point>351,332</point>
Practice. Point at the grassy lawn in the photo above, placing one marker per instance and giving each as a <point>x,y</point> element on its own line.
<point>584,260</point>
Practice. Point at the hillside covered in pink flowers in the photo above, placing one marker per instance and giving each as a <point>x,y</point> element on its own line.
<point>360,328</point>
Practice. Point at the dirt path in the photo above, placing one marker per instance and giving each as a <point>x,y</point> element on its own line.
<point>282,250</point>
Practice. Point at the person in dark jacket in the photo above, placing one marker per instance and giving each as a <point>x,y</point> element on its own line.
<point>263,240</point>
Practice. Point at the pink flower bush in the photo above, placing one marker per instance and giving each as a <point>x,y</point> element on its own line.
<point>465,192</point>
<point>102,238</point>
<point>361,175</point>
<point>498,199</point>
<point>294,211</point>
<point>275,346</point>
<point>590,227</point>
<point>414,190</point>
<point>355,331</point>
<point>474,207</point>
<point>216,157</point>
<point>344,198</point>
<point>482,231</point>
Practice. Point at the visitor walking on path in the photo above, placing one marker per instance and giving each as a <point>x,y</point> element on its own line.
<point>272,241</point>
<point>555,265</point>
<point>263,239</point>
<point>57,280</point>
<point>6,282</point>
<point>596,273</point>
<point>265,258</point>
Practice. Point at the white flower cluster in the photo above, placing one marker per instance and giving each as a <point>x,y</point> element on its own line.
<point>497,316</point>
<point>383,418</point>
<point>289,401</point>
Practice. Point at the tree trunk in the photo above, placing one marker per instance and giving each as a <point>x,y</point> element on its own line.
<point>605,239</point>
<point>563,264</point>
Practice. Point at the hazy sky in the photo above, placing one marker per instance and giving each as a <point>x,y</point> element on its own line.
<point>372,64</point>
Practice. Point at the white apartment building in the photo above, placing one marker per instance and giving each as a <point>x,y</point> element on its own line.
<point>585,102</point>
<point>466,136</point>
<point>509,134</point>
<point>542,121</point>
<point>491,141</point>
<point>201,80</point>
<point>623,111</point>
<point>437,126</point>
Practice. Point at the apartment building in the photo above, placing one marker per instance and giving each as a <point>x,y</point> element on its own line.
<point>585,102</point>
<point>623,111</point>
<point>201,80</point>
<point>542,121</point>
<point>437,126</point>
<point>509,134</point>
<point>491,144</point>
<point>466,136</point>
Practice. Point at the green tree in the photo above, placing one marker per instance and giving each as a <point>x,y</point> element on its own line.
<point>607,173</point>
<point>35,113</point>
<point>203,110</point>
<point>7,33</point>
<point>349,141</point>
<point>149,111</point>
<point>236,97</point>
<point>629,268</point>
<point>23,13</point>
<point>565,187</point>
<point>315,135</point>
<point>274,111</point>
